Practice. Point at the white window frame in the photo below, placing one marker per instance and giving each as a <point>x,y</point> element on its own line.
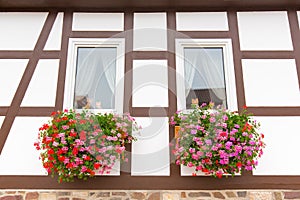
<point>74,44</point>
<point>230,84</point>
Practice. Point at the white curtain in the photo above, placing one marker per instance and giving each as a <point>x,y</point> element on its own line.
<point>207,65</point>
<point>109,67</point>
<point>189,74</point>
<point>95,65</point>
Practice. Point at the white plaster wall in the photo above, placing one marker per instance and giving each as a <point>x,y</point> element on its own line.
<point>19,156</point>
<point>11,72</point>
<point>150,153</point>
<point>1,120</point>
<point>42,88</point>
<point>54,39</point>
<point>150,32</point>
<point>20,30</point>
<point>98,22</point>
<point>298,15</point>
<point>150,83</point>
<point>281,155</point>
<point>264,31</point>
<point>201,21</point>
<point>271,82</point>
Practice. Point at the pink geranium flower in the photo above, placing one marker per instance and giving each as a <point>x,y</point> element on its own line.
<point>217,141</point>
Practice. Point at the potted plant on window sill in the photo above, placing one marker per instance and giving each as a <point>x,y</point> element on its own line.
<point>82,145</point>
<point>215,141</point>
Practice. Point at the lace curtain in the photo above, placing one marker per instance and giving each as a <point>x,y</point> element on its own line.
<point>96,75</point>
<point>203,70</point>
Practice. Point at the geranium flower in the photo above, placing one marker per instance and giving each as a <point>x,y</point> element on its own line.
<point>81,144</point>
<point>228,142</point>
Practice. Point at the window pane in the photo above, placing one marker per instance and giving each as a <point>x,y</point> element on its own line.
<point>204,76</point>
<point>95,78</point>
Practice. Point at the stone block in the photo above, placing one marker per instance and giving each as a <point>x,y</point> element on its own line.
<point>138,195</point>
<point>218,195</point>
<point>292,195</point>
<point>154,196</point>
<point>32,196</point>
<point>199,194</point>
<point>260,196</point>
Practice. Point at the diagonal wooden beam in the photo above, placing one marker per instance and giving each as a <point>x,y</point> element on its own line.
<point>26,78</point>
<point>295,33</point>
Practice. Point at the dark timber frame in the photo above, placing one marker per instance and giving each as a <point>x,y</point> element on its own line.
<point>125,180</point>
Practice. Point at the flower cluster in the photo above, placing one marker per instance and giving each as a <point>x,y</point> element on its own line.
<point>82,144</point>
<point>216,141</point>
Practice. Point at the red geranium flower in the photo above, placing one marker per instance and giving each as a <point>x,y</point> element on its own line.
<point>89,143</point>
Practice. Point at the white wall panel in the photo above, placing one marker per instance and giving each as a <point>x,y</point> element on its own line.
<point>42,88</point>
<point>54,39</point>
<point>150,153</point>
<point>20,30</point>
<point>150,83</point>
<point>19,156</point>
<point>281,155</point>
<point>150,32</point>
<point>201,21</point>
<point>264,31</point>
<point>271,82</point>
<point>98,22</point>
<point>1,120</point>
<point>11,72</point>
<point>298,15</point>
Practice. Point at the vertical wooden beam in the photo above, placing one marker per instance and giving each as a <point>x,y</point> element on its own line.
<point>66,32</point>
<point>237,58</point>
<point>171,34</point>
<point>172,94</point>
<point>128,28</point>
<point>127,104</point>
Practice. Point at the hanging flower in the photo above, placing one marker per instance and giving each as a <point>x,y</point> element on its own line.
<point>81,144</point>
<point>226,142</point>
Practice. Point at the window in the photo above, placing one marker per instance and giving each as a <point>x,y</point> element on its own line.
<point>95,75</point>
<point>205,73</point>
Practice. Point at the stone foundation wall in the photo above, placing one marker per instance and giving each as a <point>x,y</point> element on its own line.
<point>148,195</point>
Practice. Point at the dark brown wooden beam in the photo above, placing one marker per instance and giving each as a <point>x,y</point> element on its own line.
<point>28,54</point>
<point>275,111</point>
<point>234,35</point>
<point>137,55</point>
<point>295,33</point>
<point>96,34</point>
<point>203,34</point>
<point>105,5</point>
<point>268,54</point>
<point>128,182</point>
<point>149,112</point>
<point>128,26</point>
<point>36,111</point>
<point>3,110</point>
<point>66,32</point>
